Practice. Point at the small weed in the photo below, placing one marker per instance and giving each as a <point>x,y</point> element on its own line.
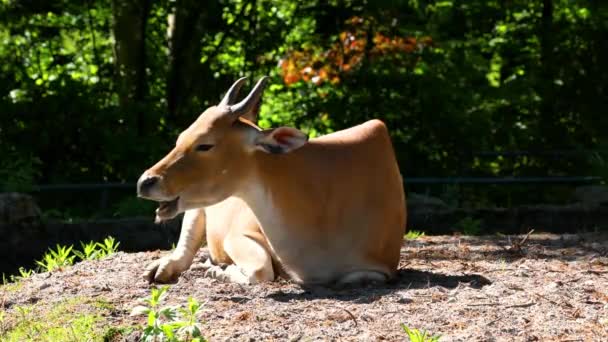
<point>23,274</point>
<point>89,251</point>
<point>64,256</point>
<point>109,246</point>
<point>58,258</point>
<point>416,335</point>
<point>413,235</point>
<point>169,323</point>
<point>469,226</point>
<point>503,264</point>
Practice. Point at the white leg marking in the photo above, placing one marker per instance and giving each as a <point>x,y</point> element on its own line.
<point>251,259</point>
<point>232,274</point>
<point>169,267</point>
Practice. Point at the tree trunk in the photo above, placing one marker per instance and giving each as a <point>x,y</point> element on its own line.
<point>190,21</point>
<point>129,31</point>
<point>547,75</point>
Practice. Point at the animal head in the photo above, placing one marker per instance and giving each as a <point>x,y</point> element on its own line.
<point>215,155</point>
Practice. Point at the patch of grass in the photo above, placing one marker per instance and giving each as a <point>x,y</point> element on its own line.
<point>170,323</point>
<point>114,334</point>
<point>416,335</point>
<point>469,226</point>
<point>9,286</point>
<point>413,235</point>
<point>103,304</point>
<point>76,319</point>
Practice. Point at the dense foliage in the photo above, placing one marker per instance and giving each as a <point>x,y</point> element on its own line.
<point>96,90</point>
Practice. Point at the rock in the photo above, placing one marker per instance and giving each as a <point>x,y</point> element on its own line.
<point>18,208</point>
<point>423,203</point>
<point>591,194</point>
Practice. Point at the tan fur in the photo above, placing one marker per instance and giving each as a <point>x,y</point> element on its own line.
<point>332,210</point>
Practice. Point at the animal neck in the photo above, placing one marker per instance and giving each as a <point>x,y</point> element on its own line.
<point>280,188</point>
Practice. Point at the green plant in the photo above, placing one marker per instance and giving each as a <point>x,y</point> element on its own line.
<point>64,256</point>
<point>54,259</point>
<point>89,251</point>
<point>189,326</point>
<point>109,246</point>
<point>169,323</point>
<point>23,273</point>
<point>97,250</point>
<point>470,226</point>
<point>413,235</point>
<point>416,335</point>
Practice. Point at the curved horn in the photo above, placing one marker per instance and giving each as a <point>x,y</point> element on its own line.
<point>232,93</point>
<point>248,103</point>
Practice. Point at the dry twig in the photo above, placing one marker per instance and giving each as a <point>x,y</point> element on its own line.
<point>516,246</point>
<point>351,316</point>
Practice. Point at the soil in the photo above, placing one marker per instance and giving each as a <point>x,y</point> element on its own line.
<point>548,288</point>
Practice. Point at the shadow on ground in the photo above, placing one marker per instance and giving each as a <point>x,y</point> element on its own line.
<point>405,279</point>
<point>567,247</point>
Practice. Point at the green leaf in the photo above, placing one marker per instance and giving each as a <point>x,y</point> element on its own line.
<point>168,330</point>
<point>151,318</point>
<point>168,312</point>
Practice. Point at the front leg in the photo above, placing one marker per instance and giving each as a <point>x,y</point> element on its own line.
<point>168,268</point>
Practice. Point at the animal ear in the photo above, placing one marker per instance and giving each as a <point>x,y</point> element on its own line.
<point>280,140</point>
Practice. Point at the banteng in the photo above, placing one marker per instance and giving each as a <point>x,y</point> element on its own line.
<point>271,202</point>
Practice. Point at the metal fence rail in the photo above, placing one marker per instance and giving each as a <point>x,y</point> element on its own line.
<point>104,189</point>
<point>503,180</point>
<point>407,180</point>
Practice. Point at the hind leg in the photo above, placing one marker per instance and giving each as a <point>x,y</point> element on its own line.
<point>251,257</point>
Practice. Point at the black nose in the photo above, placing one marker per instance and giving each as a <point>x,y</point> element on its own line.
<point>145,184</point>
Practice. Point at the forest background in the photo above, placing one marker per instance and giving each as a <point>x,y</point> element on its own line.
<point>96,91</point>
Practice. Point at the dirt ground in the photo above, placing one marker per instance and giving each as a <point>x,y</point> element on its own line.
<point>550,288</point>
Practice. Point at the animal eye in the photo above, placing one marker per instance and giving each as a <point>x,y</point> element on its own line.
<point>204,147</point>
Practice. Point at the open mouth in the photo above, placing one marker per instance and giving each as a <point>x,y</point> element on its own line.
<point>167,209</point>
